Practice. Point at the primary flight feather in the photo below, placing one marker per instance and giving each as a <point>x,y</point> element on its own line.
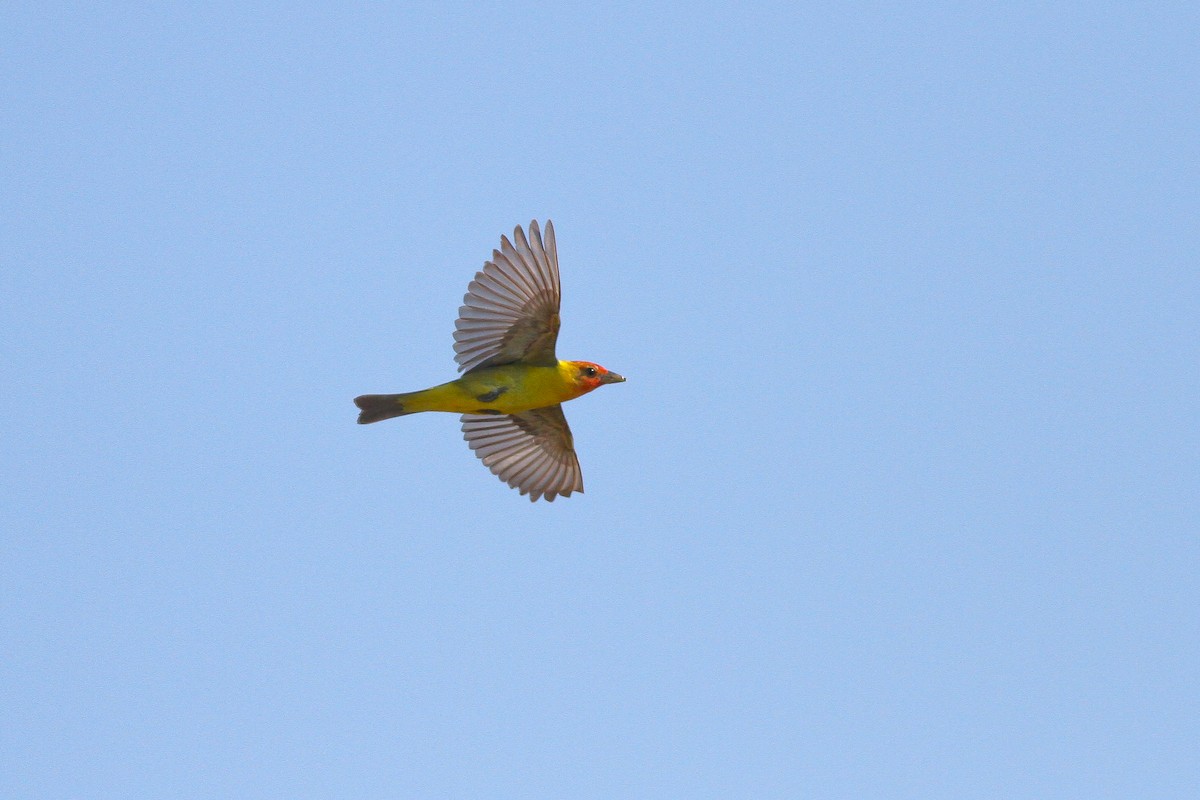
<point>511,393</point>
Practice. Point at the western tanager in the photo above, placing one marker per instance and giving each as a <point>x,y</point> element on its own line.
<point>511,393</point>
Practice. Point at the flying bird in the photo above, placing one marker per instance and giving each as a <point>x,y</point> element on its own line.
<point>513,387</point>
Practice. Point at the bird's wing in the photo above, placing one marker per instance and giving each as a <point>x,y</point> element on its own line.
<point>510,311</point>
<point>532,451</point>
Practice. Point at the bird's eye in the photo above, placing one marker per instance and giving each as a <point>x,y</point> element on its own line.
<point>589,371</point>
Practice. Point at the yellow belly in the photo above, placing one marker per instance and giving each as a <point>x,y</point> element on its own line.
<point>510,389</point>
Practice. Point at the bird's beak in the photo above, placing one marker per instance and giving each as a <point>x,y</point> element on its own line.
<point>612,377</point>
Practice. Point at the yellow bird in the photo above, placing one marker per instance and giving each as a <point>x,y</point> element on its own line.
<point>511,393</point>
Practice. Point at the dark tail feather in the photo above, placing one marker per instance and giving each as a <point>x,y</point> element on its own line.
<point>376,407</point>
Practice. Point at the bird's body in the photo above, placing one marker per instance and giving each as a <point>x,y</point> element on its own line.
<point>509,389</point>
<point>512,392</point>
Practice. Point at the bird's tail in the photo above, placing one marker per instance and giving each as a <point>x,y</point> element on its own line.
<point>376,407</point>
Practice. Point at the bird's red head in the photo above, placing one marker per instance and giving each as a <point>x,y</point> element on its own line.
<point>588,376</point>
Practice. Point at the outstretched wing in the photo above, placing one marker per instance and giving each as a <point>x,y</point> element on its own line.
<point>510,311</point>
<point>532,451</point>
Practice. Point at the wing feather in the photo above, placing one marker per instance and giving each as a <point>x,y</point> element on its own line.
<point>533,451</point>
<point>510,311</point>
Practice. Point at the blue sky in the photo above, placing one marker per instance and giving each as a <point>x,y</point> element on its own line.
<point>899,500</point>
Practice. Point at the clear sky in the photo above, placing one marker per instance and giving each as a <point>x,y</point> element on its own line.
<point>899,501</point>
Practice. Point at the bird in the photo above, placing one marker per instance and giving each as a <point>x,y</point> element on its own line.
<point>513,385</point>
